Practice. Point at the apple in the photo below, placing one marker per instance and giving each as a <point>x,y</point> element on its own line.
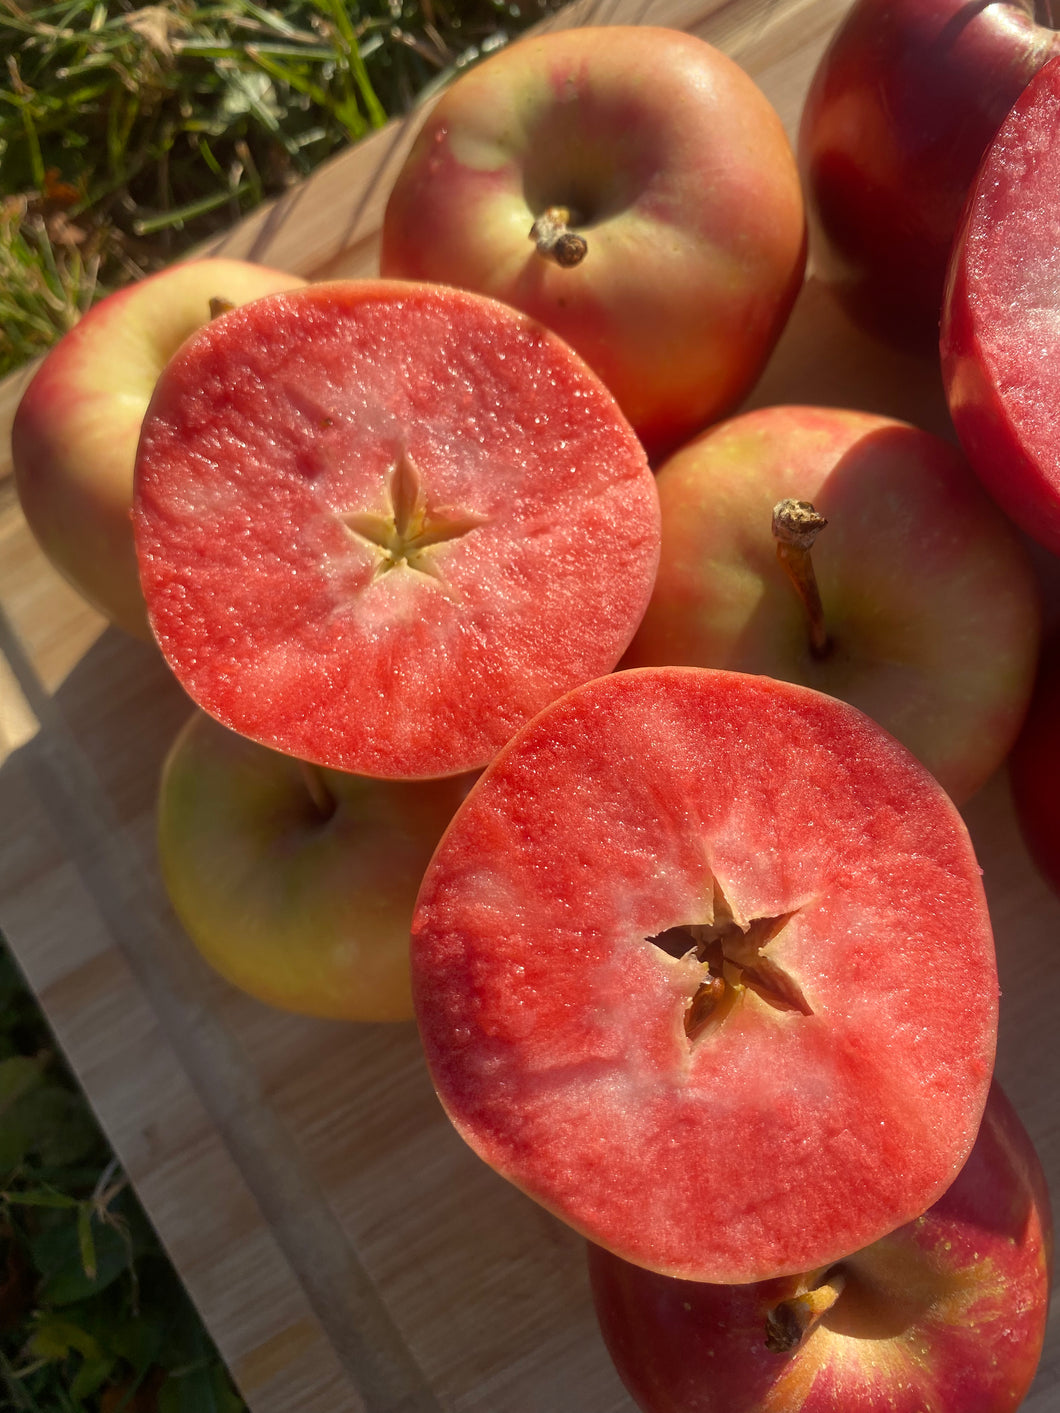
<point>663,199</point>
<point>947,1313</point>
<point>1034,768</point>
<point>297,883</point>
<point>899,111</point>
<point>380,524</point>
<point>73,441</point>
<point>929,607</point>
<point>999,340</point>
<point>703,965</point>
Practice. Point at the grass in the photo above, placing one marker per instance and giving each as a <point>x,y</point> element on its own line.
<point>127,136</point>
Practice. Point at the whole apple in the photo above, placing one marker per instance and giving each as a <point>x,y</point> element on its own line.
<point>947,1313</point>
<point>930,617</point>
<point>897,117</point>
<point>663,196</point>
<point>73,441</point>
<point>999,341</point>
<point>380,524</point>
<point>1034,768</point>
<point>703,965</point>
<point>297,883</point>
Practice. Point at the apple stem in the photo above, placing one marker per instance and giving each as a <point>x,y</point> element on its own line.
<point>789,1322</point>
<point>555,240</point>
<point>316,787</point>
<point>796,524</point>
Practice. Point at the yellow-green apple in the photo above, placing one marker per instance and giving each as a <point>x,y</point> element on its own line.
<point>928,613</point>
<point>380,524</point>
<point>663,196</point>
<point>898,114</point>
<point>1000,340</point>
<point>73,442</point>
<point>294,882</point>
<point>703,965</point>
<point>1034,768</point>
<point>945,1314</point>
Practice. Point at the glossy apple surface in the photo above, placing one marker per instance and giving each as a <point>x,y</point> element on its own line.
<point>929,599</point>
<point>947,1313</point>
<point>703,964</point>
<point>1001,318</point>
<point>898,114</point>
<point>1034,768</point>
<point>678,175</point>
<point>296,883</point>
<point>73,441</point>
<point>381,524</point>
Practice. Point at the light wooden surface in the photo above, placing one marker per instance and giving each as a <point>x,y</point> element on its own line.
<point>345,1249</point>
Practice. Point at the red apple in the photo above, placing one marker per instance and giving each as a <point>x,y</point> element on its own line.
<point>73,442</point>
<point>930,607</point>
<point>1034,769</point>
<point>703,964</point>
<point>947,1313</point>
<point>677,178</point>
<point>381,524</point>
<point>900,109</point>
<point>1000,339</point>
<point>296,883</point>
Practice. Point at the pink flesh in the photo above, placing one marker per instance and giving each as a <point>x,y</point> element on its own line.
<point>1001,321</point>
<point>290,413</point>
<point>555,1030</point>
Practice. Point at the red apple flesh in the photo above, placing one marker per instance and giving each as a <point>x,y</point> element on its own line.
<point>1034,769</point>
<point>947,1313</point>
<point>1001,318</point>
<point>930,604</point>
<point>675,171</point>
<point>296,883</point>
<point>703,964</point>
<point>73,441</point>
<point>898,114</point>
<point>381,524</point>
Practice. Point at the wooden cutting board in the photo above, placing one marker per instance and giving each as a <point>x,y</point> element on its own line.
<point>346,1251</point>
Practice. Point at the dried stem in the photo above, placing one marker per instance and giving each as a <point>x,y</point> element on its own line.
<point>555,240</point>
<point>796,524</point>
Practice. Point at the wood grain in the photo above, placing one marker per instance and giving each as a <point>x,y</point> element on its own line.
<point>346,1250</point>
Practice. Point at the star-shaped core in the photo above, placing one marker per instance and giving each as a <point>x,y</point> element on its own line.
<point>733,959</point>
<point>407,533</point>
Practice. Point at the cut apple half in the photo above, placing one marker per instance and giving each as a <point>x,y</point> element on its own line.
<point>380,524</point>
<point>703,964</point>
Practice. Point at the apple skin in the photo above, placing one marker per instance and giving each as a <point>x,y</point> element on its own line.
<point>75,431</point>
<point>303,900</point>
<point>930,599</point>
<point>686,184</point>
<point>947,1313</point>
<point>998,340</point>
<point>1034,769</point>
<point>560,1000</point>
<point>900,109</point>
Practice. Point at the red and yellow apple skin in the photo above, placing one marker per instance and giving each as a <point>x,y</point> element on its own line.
<point>73,441</point>
<point>945,1315</point>
<point>929,597</point>
<point>898,114</point>
<point>681,179</point>
<point>1034,769</point>
<point>703,964</point>
<point>998,339</point>
<point>297,883</point>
